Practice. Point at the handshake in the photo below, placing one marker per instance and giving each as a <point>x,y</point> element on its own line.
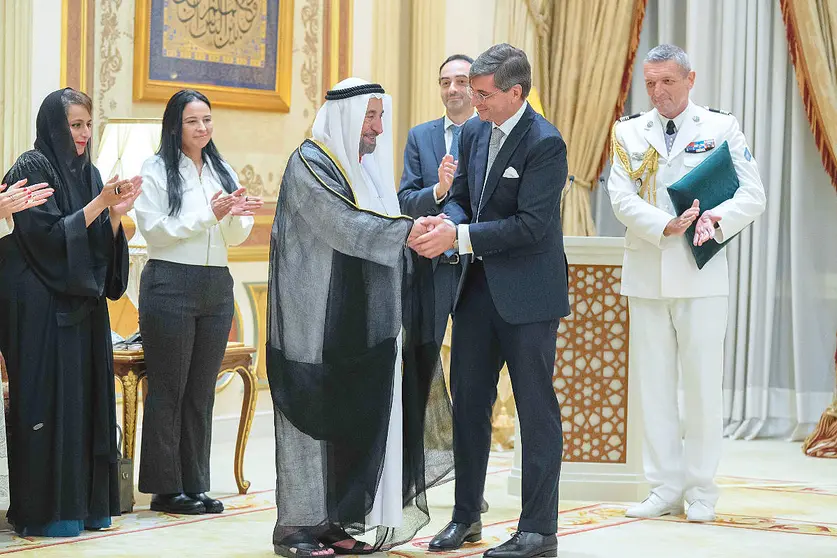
<point>431,236</point>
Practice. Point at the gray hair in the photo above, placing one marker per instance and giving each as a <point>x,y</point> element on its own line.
<point>509,65</point>
<point>665,53</point>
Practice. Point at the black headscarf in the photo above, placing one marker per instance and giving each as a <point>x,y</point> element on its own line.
<point>77,183</point>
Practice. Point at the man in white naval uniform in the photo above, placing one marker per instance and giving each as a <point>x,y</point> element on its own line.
<point>678,312</point>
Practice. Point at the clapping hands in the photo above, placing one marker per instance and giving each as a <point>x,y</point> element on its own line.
<point>237,204</point>
<point>126,193</point>
<point>20,197</point>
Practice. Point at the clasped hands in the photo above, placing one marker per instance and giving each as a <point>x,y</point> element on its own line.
<point>704,228</point>
<point>432,235</point>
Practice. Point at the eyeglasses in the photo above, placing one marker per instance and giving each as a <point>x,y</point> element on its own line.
<point>479,97</point>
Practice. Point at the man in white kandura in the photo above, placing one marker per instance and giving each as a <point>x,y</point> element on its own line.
<point>678,312</point>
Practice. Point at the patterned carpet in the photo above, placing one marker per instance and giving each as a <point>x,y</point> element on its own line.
<point>774,516</point>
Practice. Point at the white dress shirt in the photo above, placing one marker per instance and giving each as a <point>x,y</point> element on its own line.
<point>463,232</point>
<point>449,124</point>
<point>194,236</point>
<point>7,225</point>
<point>678,123</point>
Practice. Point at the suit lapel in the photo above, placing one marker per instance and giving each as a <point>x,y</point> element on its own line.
<point>654,133</point>
<point>505,153</point>
<point>481,162</point>
<point>438,139</point>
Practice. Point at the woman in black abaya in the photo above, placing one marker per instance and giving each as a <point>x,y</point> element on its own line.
<point>63,258</point>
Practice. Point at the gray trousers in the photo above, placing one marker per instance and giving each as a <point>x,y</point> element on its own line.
<point>185,315</point>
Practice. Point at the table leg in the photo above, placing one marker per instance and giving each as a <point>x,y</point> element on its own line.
<point>248,410</point>
<point>130,382</point>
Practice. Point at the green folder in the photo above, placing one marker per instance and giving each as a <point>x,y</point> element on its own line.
<point>712,182</point>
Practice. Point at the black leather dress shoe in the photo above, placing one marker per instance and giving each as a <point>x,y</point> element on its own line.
<point>210,504</point>
<point>176,503</point>
<point>484,506</point>
<point>454,535</point>
<point>526,545</point>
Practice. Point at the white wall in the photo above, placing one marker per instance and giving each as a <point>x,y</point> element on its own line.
<point>46,52</point>
<point>469,27</point>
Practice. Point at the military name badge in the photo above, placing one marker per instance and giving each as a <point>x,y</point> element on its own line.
<point>701,146</point>
<point>747,154</point>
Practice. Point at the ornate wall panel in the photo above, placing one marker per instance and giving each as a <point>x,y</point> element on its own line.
<point>591,367</point>
<point>78,24</point>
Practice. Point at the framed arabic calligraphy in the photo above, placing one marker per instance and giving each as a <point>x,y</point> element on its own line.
<point>236,52</point>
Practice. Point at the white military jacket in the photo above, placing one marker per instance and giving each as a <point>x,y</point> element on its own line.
<point>656,266</point>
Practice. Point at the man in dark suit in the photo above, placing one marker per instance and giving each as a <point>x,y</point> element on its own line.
<point>432,148</point>
<point>504,220</point>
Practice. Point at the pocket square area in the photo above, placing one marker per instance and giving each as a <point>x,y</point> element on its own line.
<point>510,173</point>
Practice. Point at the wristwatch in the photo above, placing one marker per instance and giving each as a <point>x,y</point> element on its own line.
<point>456,240</point>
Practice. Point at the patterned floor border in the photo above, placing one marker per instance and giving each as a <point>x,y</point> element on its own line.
<point>772,485</point>
<point>571,522</point>
<point>142,520</point>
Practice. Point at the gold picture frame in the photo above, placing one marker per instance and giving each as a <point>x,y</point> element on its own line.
<point>272,93</point>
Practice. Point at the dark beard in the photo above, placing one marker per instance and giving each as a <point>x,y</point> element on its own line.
<point>366,149</point>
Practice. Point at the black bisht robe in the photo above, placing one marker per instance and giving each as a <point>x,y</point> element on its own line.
<point>342,284</point>
<point>55,337</point>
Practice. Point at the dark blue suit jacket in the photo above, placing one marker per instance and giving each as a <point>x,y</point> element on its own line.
<point>422,157</point>
<point>517,228</point>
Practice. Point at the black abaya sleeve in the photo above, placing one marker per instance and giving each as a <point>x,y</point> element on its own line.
<point>67,256</point>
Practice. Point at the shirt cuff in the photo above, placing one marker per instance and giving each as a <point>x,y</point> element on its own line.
<point>719,234</point>
<point>436,197</point>
<point>464,236</point>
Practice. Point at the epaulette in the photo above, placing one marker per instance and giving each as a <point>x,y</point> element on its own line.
<point>629,117</point>
<point>719,111</point>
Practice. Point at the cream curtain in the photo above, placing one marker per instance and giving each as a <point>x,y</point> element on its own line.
<point>524,24</point>
<point>586,72</point>
<point>428,51</point>
<point>15,80</point>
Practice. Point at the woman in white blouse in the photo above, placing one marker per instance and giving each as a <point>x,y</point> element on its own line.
<point>191,210</point>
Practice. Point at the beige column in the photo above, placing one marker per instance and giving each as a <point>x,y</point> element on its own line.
<point>15,82</point>
<point>391,66</point>
<point>428,51</point>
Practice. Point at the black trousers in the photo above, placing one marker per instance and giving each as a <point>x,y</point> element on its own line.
<point>445,282</point>
<point>185,315</point>
<point>482,342</point>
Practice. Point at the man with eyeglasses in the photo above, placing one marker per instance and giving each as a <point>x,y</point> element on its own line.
<point>503,218</point>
